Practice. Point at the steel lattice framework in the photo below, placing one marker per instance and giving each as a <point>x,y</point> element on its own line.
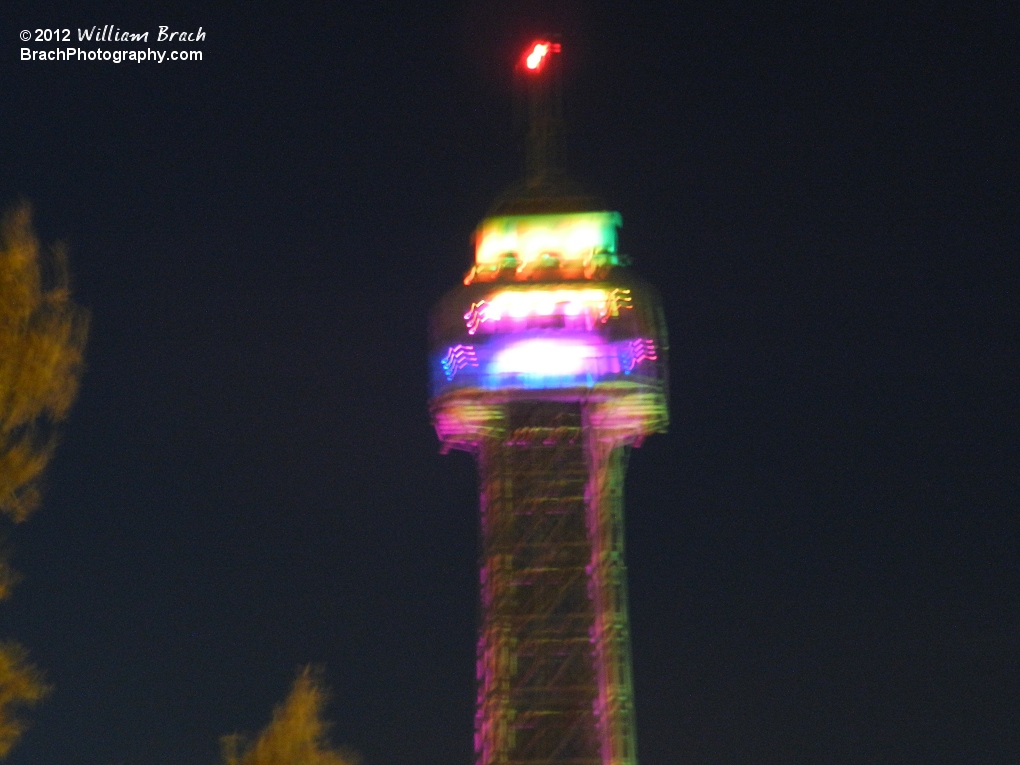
<point>553,658</point>
<point>535,670</point>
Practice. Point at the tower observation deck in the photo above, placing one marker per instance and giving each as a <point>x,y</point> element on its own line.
<point>549,364</point>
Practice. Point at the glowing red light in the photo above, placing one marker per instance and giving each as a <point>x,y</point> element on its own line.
<point>536,55</point>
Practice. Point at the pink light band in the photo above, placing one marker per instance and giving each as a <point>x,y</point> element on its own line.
<point>512,310</point>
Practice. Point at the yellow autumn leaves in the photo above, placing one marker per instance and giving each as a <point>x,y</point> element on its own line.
<point>20,684</point>
<point>42,338</point>
<point>42,341</point>
<point>297,734</point>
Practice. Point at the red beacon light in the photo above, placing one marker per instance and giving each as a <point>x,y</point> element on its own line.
<point>537,54</point>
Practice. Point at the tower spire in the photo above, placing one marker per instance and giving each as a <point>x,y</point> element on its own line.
<point>546,188</point>
<point>544,83</point>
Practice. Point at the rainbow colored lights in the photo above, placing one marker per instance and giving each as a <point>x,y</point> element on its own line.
<point>512,310</point>
<point>567,245</point>
<point>544,313</point>
<point>550,336</point>
<point>560,361</point>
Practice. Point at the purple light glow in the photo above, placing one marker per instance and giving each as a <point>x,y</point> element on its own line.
<point>637,351</point>
<point>542,360</point>
<point>554,358</point>
<point>514,310</point>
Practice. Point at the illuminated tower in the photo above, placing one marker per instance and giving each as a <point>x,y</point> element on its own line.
<point>548,364</point>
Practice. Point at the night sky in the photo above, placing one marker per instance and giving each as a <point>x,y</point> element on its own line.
<point>824,551</point>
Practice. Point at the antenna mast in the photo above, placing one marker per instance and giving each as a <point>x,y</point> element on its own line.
<point>545,112</point>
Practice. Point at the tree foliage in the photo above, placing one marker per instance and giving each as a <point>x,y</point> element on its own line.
<point>42,340</point>
<point>21,684</point>
<point>297,734</point>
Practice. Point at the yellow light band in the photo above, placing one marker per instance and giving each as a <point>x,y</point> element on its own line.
<point>567,240</point>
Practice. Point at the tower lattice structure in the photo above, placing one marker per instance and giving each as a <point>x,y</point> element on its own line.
<point>549,364</point>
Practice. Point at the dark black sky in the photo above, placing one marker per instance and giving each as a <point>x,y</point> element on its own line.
<point>823,550</point>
